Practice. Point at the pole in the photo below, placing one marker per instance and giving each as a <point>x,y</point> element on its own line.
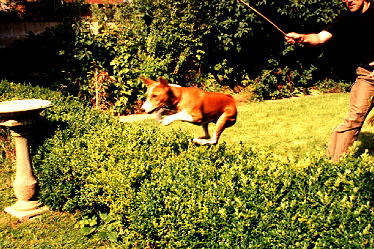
<point>259,13</point>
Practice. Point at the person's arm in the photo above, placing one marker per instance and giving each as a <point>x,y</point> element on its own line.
<point>309,39</point>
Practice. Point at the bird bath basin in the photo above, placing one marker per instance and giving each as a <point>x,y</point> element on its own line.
<point>21,112</point>
<point>19,116</point>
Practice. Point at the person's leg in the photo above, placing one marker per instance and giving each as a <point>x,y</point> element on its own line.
<point>361,103</point>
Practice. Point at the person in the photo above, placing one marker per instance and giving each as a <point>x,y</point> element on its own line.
<point>355,29</point>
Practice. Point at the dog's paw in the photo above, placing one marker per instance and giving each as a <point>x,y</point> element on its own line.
<point>204,141</point>
<point>160,113</point>
<point>167,120</point>
<point>159,117</point>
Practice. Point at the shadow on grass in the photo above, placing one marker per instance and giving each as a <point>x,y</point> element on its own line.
<point>367,143</point>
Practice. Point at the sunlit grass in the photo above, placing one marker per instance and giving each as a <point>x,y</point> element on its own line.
<point>51,230</point>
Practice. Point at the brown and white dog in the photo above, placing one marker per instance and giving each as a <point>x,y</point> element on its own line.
<point>192,105</point>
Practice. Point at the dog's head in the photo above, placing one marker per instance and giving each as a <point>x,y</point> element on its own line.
<point>159,95</point>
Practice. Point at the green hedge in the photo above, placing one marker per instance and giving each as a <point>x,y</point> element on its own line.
<point>140,186</point>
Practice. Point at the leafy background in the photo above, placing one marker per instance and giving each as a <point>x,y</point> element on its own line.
<point>211,44</point>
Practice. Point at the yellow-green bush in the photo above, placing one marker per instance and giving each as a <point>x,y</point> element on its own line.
<point>145,187</point>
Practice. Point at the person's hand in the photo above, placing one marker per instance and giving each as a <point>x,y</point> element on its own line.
<point>371,75</point>
<point>294,38</point>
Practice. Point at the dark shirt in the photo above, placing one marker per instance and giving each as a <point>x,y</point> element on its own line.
<point>355,32</point>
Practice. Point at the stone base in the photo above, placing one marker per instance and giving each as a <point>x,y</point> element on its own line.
<point>24,210</point>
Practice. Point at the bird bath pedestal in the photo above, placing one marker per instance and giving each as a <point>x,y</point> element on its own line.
<point>18,116</point>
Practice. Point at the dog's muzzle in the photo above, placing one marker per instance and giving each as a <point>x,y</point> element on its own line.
<point>149,108</point>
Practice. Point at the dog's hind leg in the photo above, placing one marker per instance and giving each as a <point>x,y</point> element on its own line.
<point>206,131</point>
<point>220,126</point>
<point>202,139</point>
<point>222,123</point>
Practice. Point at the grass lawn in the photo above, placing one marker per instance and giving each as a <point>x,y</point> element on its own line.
<point>295,127</point>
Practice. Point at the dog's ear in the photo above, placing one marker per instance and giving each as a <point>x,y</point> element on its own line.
<point>149,82</point>
<point>163,81</point>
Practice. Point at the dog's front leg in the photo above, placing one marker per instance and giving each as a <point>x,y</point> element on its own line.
<point>161,112</point>
<point>182,116</point>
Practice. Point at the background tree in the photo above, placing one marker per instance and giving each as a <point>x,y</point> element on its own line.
<point>210,44</point>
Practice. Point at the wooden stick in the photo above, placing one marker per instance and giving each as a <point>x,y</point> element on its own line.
<point>246,4</point>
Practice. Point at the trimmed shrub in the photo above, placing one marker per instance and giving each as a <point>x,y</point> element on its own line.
<point>139,186</point>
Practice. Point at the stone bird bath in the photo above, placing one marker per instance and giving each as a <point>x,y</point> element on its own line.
<point>18,116</point>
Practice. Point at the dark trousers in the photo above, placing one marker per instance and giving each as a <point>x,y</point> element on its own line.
<point>361,103</point>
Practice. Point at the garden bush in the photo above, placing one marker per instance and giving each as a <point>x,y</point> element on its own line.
<point>144,187</point>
